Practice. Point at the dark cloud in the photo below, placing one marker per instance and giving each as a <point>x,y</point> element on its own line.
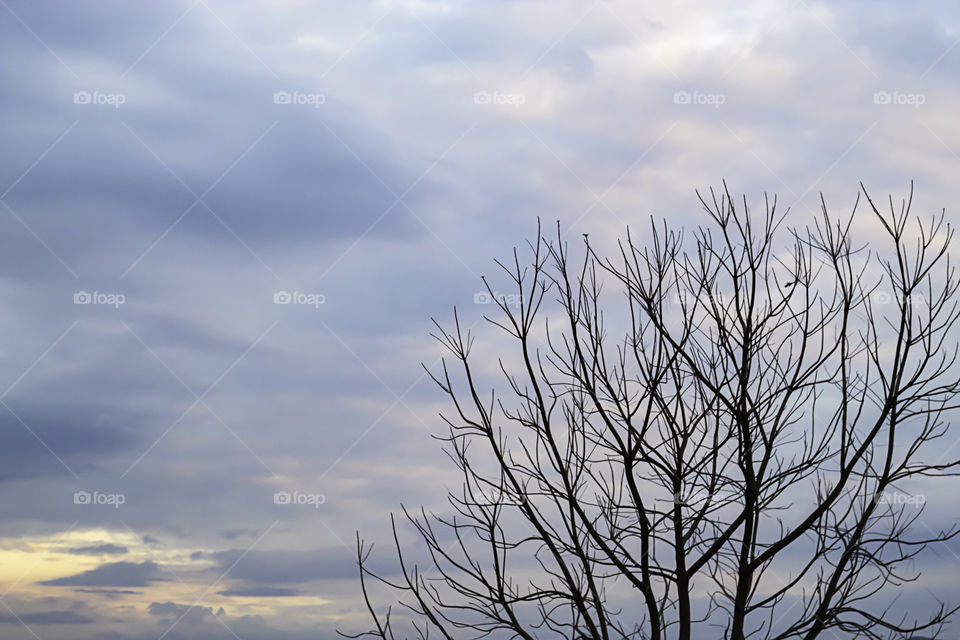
<point>233,534</point>
<point>279,574</point>
<point>100,549</point>
<point>285,567</point>
<point>110,593</point>
<point>185,614</point>
<point>114,574</point>
<point>226,628</point>
<point>81,434</point>
<point>79,29</point>
<point>46,617</point>
<point>260,592</point>
<point>300,177</point>
<point>916,43</point>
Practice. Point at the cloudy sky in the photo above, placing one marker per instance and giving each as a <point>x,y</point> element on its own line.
<point>225,227</point>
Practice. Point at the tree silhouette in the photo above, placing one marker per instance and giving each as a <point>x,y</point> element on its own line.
<point>710,437</point>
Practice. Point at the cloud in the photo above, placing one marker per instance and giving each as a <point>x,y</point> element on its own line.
<point>110,593</point>
<point>285,567</point>
<point>114,574</point>
<point>100,549</point>
<point>260,592</point>
<point>46,617</point>
<point>185,614</point>
<point>81,433</point>
<point>233,534</point>
<point>286,573</point>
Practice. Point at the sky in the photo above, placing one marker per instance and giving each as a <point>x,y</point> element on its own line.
<point>225,227</point>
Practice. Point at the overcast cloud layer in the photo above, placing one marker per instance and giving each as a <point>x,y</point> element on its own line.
<point>174,172</point>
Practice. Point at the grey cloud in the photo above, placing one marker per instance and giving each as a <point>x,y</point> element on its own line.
<point>80,434</point>
<point>114,574</point>
<point>185,613</point>
<point>233,534</point>
<point>270,574</point>
<point>299,186</point>
<point>292,188</point>
<point>46,617</point>
<point>260,592</point>
<point>82,27</point>
<point>243,626</point>
<point>917,42</point>
<point>285,567</point>
<point>99,549</point>
<point>110,593</point>
<point>474,35</point>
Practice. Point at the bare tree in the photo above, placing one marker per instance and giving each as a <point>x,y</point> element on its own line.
<point>719,445</point>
